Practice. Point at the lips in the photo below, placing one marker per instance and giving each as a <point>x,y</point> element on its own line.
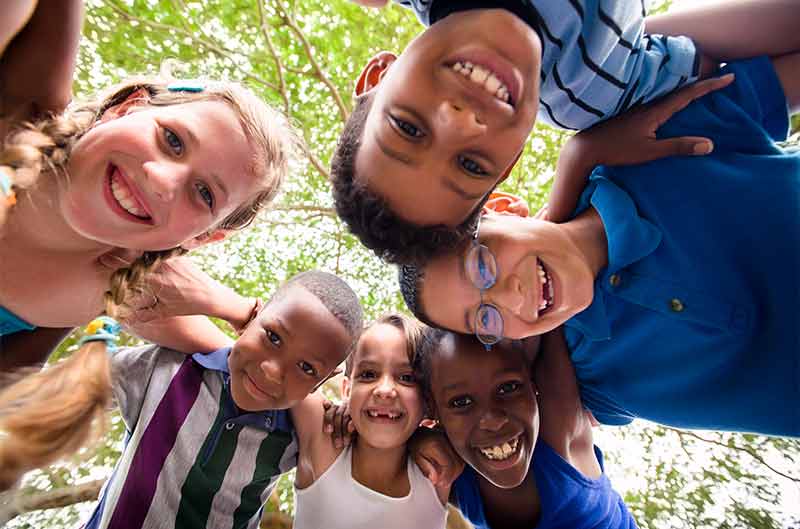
<point>489,65</point>
<point>124,197</point>
<point>501,451</point>
<point>256,390</point>
<point>547,289</point>
<point>384,414</point>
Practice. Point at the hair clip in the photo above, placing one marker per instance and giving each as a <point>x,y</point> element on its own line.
<point>186,86</point>
<point>5,190</point>
<point>102,329</point>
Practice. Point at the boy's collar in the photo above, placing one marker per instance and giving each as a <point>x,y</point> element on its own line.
<point>217,360</point>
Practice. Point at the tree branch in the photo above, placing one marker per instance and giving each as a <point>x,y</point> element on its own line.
<point>23,501</point>
<point>749,451</point>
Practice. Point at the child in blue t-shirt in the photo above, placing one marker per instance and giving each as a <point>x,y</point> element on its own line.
<point>522,432</point>
<point>437,128</point>
<point>676,280</point>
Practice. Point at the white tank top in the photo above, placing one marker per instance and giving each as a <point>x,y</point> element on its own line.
<point>336,500</point>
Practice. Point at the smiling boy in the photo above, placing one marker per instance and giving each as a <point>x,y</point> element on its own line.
<point>437,128</point>
<point>209,434</point>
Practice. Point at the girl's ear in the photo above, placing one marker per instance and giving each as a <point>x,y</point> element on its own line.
<point>506,204</point>
<point>373,72</point>
<point>136,98</point>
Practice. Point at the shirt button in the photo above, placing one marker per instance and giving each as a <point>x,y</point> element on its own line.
<point>229,425</point>
<point>615,280</point>
<point>268,422</point>
<point>676,305</point>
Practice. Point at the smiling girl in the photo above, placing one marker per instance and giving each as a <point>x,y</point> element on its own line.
<point>525,437</point>
<point>372,482</point>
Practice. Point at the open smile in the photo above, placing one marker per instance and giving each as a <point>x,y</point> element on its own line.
<point>123,198</point>
<point>384,414</point>
<point>490,72</point>
<point>502,455</point>
<point>547,289</point>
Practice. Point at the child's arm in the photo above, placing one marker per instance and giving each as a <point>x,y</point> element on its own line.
<point>565,424</point>
<point>316,450</point>
<point>625,140</point>
<point>436,458</point>
<point>16,13</point>
<point>788,69</point>
<point>730,30</point>
<point>38,61</point>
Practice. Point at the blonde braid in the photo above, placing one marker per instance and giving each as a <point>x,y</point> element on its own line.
<point>129,280</point>
<point>32,148</point>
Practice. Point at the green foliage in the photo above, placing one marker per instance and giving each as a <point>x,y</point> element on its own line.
<point>303,57</point>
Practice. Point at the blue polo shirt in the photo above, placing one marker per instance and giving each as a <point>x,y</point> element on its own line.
<point>694,322</point>
<point>567,498</point>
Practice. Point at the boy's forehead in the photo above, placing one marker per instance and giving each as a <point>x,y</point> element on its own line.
<point>304,315</point>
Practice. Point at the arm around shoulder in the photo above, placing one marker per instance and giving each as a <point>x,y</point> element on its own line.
<point>317,451</point>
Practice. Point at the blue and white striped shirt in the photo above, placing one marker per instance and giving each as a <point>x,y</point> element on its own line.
<point>597,61</point>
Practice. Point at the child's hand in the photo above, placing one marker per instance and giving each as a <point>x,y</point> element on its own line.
<point>625,140</point>
<point>631,138</point>
<point>435,457</point>
<point>337,422</point>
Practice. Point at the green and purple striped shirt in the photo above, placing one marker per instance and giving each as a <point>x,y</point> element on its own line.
<point>192,459</point>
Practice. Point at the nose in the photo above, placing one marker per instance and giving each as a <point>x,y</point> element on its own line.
<point>273,371</point>
<point>493,420</point>
<point>386,388</point>
<point>163,179</point>
<point>457,120</point>
<point>508,294</point>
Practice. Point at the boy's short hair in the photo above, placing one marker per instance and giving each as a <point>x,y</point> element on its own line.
<point>410,278</point>
<point>369,217</point>
<point>412,333</point>
<point>334,293</point>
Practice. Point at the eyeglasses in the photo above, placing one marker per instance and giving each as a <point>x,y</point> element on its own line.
<point>480,267</point>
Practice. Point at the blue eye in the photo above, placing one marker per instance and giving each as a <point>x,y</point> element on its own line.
<point>406,128</point>
<point>471,166</point>
<point>205,194</point>
<point>173,142</point>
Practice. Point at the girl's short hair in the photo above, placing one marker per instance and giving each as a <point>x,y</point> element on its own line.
<point>412,333</point>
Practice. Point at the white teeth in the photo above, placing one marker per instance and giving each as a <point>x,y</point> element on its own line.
<point>547,287</point>
<point>484,77</point>
<point>124,198</point>
<point>390,414</point>
<point>501,452</point>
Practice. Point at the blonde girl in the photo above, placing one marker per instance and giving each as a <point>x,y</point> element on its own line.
<point>153,166</point>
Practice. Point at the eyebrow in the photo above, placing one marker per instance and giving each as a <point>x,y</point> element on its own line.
<point>214,176</point>
<point>283,326</point>
<point>395,155</point>
<point>462,193</point>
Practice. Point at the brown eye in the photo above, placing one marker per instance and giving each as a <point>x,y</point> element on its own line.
<point>307,368</point>
<point>462,401</point>
<point>406,128</point>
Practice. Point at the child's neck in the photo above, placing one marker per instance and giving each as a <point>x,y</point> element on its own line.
<point>36,224</point>
<point>588,233</point>
<point>383,470</point>
<point>518,507</point>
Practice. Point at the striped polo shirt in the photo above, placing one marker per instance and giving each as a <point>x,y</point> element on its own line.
<point>596,59</point>
<point>192,459</point>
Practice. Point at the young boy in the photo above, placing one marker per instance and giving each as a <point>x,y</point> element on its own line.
<point>436,129</point>
<point>209,434</point>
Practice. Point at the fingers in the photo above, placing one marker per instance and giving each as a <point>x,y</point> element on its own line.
<point>428,468</point>
<point>683,146</point>
<point>679,100</point>
<point>327,418</point>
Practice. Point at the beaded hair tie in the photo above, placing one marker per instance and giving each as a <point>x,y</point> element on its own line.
<point>102,329</point>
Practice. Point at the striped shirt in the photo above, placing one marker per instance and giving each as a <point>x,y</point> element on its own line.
<point>597,61</point>
<point>191,458</point>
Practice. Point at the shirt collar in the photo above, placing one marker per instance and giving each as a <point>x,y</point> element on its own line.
<point>268,420</point>
<point>630,239</point>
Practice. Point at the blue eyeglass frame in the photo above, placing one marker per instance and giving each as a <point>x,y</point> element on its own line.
<point>487,340</point>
